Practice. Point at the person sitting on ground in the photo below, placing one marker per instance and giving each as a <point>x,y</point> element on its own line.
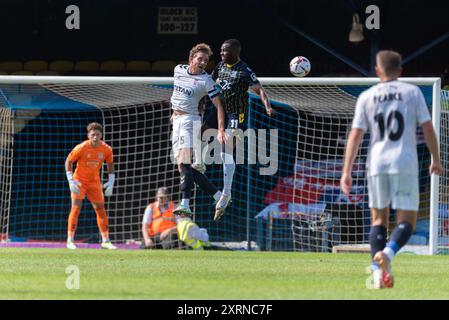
<point>159,223</point>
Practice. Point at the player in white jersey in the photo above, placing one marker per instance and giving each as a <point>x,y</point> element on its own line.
<point>191,83</point>
<point>391,111</point>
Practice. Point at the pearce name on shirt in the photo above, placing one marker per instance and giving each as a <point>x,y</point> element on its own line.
<point>387,97</point>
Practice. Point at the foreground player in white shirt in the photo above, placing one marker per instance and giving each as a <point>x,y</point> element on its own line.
<point>390,110</point>
<point>191,83</point>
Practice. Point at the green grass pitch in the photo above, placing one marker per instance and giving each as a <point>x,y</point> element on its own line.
<point>177,274</point>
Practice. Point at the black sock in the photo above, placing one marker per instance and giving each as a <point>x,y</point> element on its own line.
<point>400,235</point>
<point>186,180</point>
<point>377,239</point>
<point>203,182</point>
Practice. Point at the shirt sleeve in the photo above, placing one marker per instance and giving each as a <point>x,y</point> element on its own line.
<point>109,156</point>
<point>252,78</point>
<point>175,70</point>
<point>360,120</point>
<point>422,110</point>
<point>76,153</point>
<point>147,216</point>
<point>212,89</point>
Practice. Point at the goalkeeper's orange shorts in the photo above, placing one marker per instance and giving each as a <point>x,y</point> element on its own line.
<point>93,191</point>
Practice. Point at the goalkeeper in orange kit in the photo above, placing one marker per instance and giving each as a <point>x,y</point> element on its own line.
<point>89,156</point>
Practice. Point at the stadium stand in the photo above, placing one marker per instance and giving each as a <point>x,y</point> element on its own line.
<point>35,66</point>
<point>47,73</point>
<point>111,66</point>
<point>61,66</point>
<point>22,73</point>
<point>161,67</point>
<point>11,66</point>
<point>138,66</point>
<point>210,66</point>
<point>87,66</point>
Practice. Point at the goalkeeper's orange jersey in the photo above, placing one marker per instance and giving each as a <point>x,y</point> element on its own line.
<point>89,160</point>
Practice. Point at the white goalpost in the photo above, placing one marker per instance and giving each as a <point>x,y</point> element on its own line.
<point>329,104</point>
<point>298,208</point>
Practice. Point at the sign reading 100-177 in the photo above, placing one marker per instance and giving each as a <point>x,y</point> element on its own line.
<point>178,20</point>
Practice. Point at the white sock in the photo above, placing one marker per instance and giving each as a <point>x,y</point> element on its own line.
<point>70,239</point>
<point>217,195</point>
<point>105,239</point>
<point>228,172</point>
<point>376,277</point>
<point>185,202</point>
<point>198,158</point>
<point>389,253</point>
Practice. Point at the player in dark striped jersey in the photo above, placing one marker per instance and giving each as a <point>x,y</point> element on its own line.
<point>235,78</point>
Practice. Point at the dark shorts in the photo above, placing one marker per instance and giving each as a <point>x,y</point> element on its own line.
<point>233,120</point>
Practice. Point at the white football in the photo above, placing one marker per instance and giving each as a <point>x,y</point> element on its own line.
<point>300,66</point>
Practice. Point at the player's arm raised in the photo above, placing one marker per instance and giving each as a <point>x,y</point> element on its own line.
<point>259,90</point>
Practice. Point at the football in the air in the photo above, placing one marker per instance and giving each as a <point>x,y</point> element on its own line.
<point>300,66</point>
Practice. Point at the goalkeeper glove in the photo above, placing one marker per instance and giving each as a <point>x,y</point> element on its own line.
<point>109,185</point>
<point>73,184</point>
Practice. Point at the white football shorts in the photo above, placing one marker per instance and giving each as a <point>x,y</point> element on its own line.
<point>401,190</point>
<point>183,130</point>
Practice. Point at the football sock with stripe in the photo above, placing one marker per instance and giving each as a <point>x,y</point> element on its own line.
<point>399,237</point>
<point>186,180</point>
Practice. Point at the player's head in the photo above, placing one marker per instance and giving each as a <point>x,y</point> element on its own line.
<point>199,57</point>
<point>162,195</point>
<point>94,132</point>
<point>388,64</point>
<point>230,51</point>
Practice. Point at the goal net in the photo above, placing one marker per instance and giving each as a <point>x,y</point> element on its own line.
<point>286,192</point>
<point>43,121</point>
<point>302,208</point>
